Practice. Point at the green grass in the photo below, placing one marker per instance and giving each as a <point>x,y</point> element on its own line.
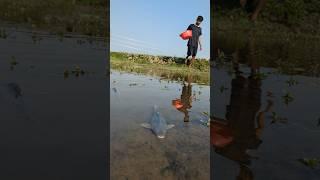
<point>163,66</point>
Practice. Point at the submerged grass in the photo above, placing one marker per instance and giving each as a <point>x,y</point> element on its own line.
<point>166,67</point>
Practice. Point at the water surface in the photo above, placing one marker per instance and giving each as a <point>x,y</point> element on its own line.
<point>136,153</point>
<point>52,126</point>
<point>266,91</point>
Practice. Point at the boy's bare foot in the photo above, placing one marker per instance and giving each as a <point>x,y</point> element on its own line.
<point>188,62</point>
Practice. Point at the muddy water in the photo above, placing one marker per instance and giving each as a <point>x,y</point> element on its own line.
<point>49,128</point>
<point>267,92</point>
<point>136,153</point>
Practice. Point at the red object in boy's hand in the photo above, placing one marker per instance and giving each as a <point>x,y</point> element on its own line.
<point>186,35</point>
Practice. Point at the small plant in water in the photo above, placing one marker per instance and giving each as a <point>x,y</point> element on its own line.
<point>260,76</point>
<point>310,162</point>
<point>13,62</point>
<point>78,71</point>
<point>222,89</point>
<point>270,94</point>
<point>133,84</point>
<point>66,74</point>
<point>292,82</point>
<point>3,34</point>
<point>165,88</point>
<point>205,113</point>
<point>275,118</point>
<point>287,98</point>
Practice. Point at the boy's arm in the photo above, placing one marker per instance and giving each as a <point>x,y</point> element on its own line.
<point>200,43</point>
<point>200,40</point>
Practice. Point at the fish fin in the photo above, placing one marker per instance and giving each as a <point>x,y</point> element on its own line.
<point>170,126</point>
<point>146,125</point>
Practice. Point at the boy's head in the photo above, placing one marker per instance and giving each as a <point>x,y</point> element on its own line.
<point>199,20</point>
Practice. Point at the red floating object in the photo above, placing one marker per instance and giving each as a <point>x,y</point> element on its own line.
<point>221,134</point>
<point>186,35</point>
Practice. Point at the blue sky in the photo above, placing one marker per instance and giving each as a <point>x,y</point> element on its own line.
<point>153,26</point>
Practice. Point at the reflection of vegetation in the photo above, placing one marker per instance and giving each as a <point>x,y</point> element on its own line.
<point>166,67</point>
<point>292,56</point>
<point>278,17</point>
<point>312,163</point>
<point>80,16</point>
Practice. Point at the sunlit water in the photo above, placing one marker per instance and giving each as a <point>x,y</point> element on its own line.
<point>136,153</point>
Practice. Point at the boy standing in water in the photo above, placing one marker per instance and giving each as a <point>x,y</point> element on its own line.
<point>194,40</point>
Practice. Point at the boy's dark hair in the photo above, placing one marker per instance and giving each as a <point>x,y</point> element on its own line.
<point>200,18</point>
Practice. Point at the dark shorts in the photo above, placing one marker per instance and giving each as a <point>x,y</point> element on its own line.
<point>192,51</point>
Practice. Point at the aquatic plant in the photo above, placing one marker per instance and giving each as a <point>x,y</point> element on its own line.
<point>292,82</point>
<point>270,94</point>
<point>66,73</point>
<point>222,89</point>
<point>260,76</point>
<point>3,34</point>
<point>287,98</point>
<point>275,118</point>
<point>206,113</point>
<point>13,61</point>
<point>133,84</point>
<point>77,71</point>
<point>310,162</point>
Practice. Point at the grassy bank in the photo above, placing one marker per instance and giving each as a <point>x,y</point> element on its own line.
<point>88,17</point>
<point>166,67</point>
<point>287,18</point>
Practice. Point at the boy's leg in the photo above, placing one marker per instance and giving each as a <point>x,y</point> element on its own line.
<point>194,53</point>
<point>192,60</point>
<point>188,55</point>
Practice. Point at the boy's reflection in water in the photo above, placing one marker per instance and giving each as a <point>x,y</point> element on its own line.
<point>185,102</point>
<point>245,119</point>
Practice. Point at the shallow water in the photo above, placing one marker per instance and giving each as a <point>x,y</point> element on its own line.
<point>136,153</point>
<point>267,145</point>
<point>46,118</point>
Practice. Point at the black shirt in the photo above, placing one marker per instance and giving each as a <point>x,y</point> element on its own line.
<point>196,33</point>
